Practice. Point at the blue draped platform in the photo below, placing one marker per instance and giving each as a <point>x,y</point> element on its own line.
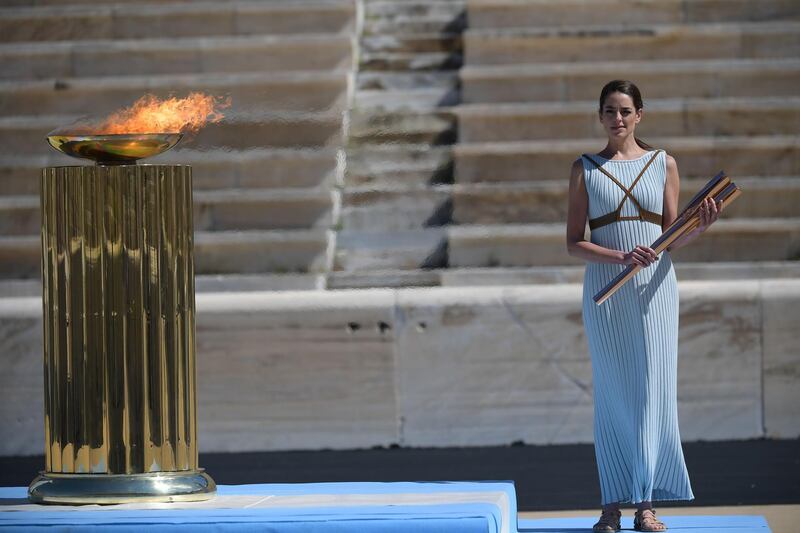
<point>462,507</point>
<point>676,524</point>
<point>290,508</point>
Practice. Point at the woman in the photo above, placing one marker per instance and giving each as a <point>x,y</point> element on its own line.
<point>629,194</point>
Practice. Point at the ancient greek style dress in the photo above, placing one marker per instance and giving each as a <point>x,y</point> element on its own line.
<point>633,338</point>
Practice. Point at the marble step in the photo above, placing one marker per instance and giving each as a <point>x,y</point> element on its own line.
<point>403,165</point>
<point>545,14</point>
<point>568,82</point>
<point>429,61</point>
<point>285,130</point>
<point>257,168</point>
<point>35,3</point>
<point>195,19</point>
<point>402,175</point>
<point>513,276</point>
<point>404,81</point>
<point>258,92</point>
<point>224,210</point>
<point>416,25</point>
<point>387,278</point>
<point>26,134</point>
<point>414,17</point>
<point>398,91</point>
<point>134,57</point>
<point>211,169</point>
<point>372,127</point>
<point>390,250</point>
<point>407,100</point>
<point>674,117</point>
<point>546,201</point>
<point>411,44</point>
<point>385,209</point>
<point>203,283</point>
<point>645,42</point>
<point>250,252</point>
<point>697,157</point>
<point>543,244</point>
<point>399,52</point>
<point>387,9</point>
<point>526,245</point>
<point>685,271</point>
<point>258,282</point>
<point>239,252</point>
<point>446,277</point>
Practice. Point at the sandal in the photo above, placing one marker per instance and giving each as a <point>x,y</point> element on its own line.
<point>609,521</point>
<point>645,520</point>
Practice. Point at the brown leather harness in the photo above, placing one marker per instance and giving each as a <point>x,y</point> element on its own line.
<point>614,216</point>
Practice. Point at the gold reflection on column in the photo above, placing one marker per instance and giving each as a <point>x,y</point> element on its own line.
<point>118,275</point>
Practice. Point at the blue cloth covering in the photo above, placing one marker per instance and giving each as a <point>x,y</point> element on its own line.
<point>676,524</point>
<point>383,517</point>
<point>436,517</point>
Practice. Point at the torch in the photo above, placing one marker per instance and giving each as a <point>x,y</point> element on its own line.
<point>720,188</point>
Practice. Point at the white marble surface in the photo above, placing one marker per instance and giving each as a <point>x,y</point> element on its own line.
<point>781,332</point>
<point>492,366</point>
<point>719,361</point>
<point>21,379</point>
<point>295,371</point>
<point>439,367</point>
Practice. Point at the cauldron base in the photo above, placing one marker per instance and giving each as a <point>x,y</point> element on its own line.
<point>82,489</point>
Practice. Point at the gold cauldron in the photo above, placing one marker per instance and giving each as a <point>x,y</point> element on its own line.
<point>114,149</point>
<point>119,326</point>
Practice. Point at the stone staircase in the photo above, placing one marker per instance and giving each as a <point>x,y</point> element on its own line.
<point>473,189</point>
<point>264,177</point>
<point>720,86</point>
<point>396,200</point>
<point>458,128</point>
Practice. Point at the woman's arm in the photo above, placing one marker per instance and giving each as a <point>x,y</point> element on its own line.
<point>578,246</point>
<point>709,209</point>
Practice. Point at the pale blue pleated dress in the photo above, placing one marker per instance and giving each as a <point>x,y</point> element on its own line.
<point>633,340</point>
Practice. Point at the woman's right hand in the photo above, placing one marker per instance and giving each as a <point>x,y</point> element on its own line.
<point>643,256</point>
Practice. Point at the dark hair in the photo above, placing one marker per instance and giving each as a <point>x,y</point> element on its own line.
<point>628,88</point>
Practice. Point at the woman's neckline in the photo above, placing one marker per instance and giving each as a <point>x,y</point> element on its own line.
<point>649,152</point>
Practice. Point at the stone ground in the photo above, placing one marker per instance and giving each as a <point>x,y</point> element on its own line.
<point>742,477</point>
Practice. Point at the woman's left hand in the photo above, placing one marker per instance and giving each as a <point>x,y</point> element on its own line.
<point>709,213</point>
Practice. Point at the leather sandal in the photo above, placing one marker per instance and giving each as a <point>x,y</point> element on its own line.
<point>645,520</point>
<point>609,522</point>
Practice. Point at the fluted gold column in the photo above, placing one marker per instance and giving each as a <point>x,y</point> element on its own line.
<point>119,354</point>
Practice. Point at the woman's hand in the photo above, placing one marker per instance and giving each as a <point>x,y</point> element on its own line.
<point>709,213</point>
<point>643,256</point>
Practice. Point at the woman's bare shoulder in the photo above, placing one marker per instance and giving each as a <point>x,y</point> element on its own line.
<point>577,168</point>
<point>672,165</point>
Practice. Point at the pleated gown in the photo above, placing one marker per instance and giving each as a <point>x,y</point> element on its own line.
<point>632,341</point>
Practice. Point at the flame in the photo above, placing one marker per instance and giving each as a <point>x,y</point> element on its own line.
<point>149,114</point>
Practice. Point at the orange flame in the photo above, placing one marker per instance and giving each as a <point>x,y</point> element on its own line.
<point>149,114</point>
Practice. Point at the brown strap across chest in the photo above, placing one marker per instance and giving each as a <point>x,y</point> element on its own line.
<point>614,216</point>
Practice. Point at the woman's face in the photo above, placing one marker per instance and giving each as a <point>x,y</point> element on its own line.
<point>619,116</point>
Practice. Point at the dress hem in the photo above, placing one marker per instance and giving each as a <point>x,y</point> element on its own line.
<point>631,500</point>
